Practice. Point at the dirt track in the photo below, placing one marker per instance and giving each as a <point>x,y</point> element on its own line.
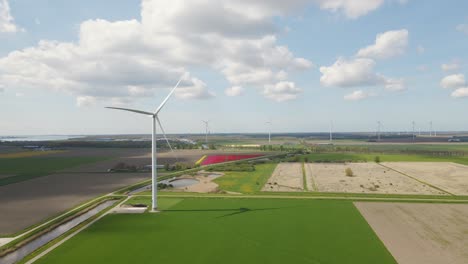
<point>420,233</point>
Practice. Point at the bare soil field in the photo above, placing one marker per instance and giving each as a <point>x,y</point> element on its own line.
<point>448,176</point>
<point>26,203</point>
<point>367,178</point>
<point>420,233</point>
<point>287,177</point>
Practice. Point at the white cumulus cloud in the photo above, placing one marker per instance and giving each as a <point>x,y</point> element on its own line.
<point>452,66</point>
<point>388,44</point>
<point>84,101</point>
<point>234,91</point>
<point>462,28</point>
<point>357,73</point>
<point>128,59</point>
<point>394,85</point>
<point>350,8</point>
<point>453,81</point>
<point>357,95</point>
<point>460,92</point>
<point>282,91</point>
<point>7,23</point>
<point>350,73</point>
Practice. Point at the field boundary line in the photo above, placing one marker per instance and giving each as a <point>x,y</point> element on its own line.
<point>352,198</point>
<point>304,178</point>
<point>418,180</point>
<point>314,184</point>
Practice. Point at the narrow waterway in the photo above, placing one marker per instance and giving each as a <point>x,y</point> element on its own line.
<point>30,247</point>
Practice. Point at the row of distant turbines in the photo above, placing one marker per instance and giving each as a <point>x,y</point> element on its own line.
<point>378,132</point>
<point>432,132</point>
<point>156,122</point>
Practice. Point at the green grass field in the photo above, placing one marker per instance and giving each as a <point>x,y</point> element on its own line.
<point>24,169</point>
<point>208,230</point>
<point>246,182</point>
<point>357,157</point>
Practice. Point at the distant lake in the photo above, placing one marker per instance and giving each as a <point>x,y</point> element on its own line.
<point>37,138</point>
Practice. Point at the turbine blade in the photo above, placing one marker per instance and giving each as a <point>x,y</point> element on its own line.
<point>165,137</point>
<point>131,110</point>
<point>167,97</point>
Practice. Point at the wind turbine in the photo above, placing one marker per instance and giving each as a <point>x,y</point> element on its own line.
<point>379,124</point>
<point>331,131</point>
<point>206,130</point>
<point>430,128</point>
<point>155,119</point>
<point>414,133</point>
<point>269,131</point>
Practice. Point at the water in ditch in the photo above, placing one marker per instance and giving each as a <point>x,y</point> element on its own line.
<point>30,247</point>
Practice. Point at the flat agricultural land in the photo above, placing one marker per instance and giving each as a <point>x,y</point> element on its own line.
<point>448,176</point>
<point>246,181</point>
<point>70,178</point>
<point>22,169</point>
<point>62,186</point>
<point>368,177</point>
<point>287,177</point>
<point>420,233</point>
<point>214,230</point>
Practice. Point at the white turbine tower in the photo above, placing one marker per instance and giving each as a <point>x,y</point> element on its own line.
<point>155,118</point>
<point>379,125</point>
<point>331,131</point>
<point>269,131</point>
<point>430,128</point>
<point>206,129</point>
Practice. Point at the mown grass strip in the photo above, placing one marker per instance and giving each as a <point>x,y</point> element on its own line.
<point>304,179</point>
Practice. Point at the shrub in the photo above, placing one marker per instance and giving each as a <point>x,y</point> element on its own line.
<point>349,172</point>
<point>377,159</point>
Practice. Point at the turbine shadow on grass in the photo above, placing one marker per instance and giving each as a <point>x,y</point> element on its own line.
<point>234,211</point>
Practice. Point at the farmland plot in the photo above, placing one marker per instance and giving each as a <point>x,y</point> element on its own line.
<point>365,178</point>
<point>287,177</point>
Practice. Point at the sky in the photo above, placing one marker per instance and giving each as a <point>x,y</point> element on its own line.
<point>301,64</point>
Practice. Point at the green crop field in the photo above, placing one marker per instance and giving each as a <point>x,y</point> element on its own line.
<point>246,181</point>
<point>358,157</point>
<point>214,230</point>
<point>24,169</point>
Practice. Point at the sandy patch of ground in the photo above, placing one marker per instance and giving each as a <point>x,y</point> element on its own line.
<point>126,209</point>
<point>368,178</point>
<point>451,177</point>
<point>287,177</point>
<point>205,182</point>
<point>420,233</point>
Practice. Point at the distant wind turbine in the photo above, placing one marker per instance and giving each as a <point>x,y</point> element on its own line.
<point>206,129</point>
<point>331,131</point>
<point>379,124</point>
<point>269,131</point>
<point>155,118</point>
